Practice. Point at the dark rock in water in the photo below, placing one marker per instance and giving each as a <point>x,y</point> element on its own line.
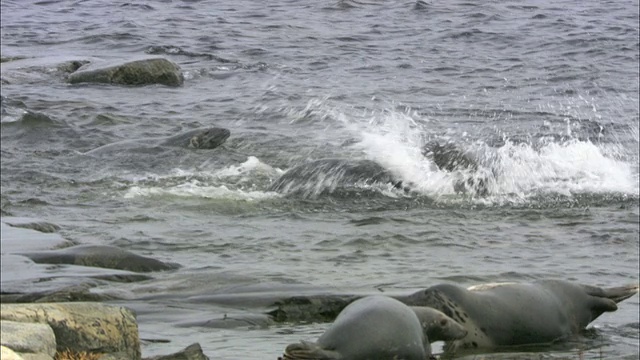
<point>68,294</point>
<point>100,256</point>
<point>317,308</point>
<point>33,224</point>
<point>71,66</point>
<point>449,157</point>
<point>325,175</point>
<point>11,58</point>
<point>191,352</point>
<point>138,72</point>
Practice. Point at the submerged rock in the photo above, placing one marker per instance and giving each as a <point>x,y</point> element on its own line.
<point>316,308</point>
<point>100,256</point>
<point>191,352</point>
<point>138,72</point>
<point>88,327</point>
<point>67,294</point>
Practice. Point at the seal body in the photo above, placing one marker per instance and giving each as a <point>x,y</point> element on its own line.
<point>520,313</point>
<point>370,328</point>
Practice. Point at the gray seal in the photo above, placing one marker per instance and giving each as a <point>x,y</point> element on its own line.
<point>508,314</point>
<point>379,328</point>
<point>203,138</point>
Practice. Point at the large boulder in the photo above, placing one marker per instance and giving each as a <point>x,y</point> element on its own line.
<point>138,72</point>
<point>91,327</point>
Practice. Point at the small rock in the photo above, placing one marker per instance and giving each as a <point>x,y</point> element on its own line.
<point>109,257</point>
<point>191,352</point>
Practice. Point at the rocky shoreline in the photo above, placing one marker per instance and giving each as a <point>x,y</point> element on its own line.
<point>46,324</point>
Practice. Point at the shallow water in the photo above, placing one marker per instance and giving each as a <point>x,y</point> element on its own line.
<point>545,94</point>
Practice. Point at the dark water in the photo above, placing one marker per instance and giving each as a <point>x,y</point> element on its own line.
<point>544,93</point>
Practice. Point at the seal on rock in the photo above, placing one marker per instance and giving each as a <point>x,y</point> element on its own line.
<point>203,138</point>
<point>510,314</point>
<point>379,327</point>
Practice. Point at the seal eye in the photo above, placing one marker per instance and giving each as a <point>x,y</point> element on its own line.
<point>443,322</point>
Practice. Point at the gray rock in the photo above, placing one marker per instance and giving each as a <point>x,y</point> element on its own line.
<point>138,72</point>
<point>90,327</point>
<point>100,256</point>
<point>24,337</point>
<point>315,308</point>
<point>191,352</point>
<point>72,293</point>
<point>8,354</point>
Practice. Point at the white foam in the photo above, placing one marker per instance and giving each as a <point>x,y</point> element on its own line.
<point>195,189</point>
<point>513,171</point>
<point>235,182</point>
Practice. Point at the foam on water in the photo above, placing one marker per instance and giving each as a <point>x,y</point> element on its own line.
<point>511,172</point>
<point>229,183</point>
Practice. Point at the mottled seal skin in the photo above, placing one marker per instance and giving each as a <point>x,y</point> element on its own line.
<point>325,175</point>
<point>437,326</point>
<point>511,314</point>
<point>204,138</point>
<point>371,328</point>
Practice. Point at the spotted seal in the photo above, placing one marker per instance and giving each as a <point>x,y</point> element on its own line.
<point>379,327</point>
<point>510,314</point>
<point>203,138</point>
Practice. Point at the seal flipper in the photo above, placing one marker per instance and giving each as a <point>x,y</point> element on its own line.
<point>605,300</point>
<point>615,294</point>
<point>305,350</point>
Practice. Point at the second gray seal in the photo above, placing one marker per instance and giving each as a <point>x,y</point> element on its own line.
<point>379,328</point>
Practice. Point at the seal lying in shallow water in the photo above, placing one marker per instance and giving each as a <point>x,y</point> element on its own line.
<point>509,314</point>
<point>379,327</point>
<point>326,175</point>
<point>204,138</point>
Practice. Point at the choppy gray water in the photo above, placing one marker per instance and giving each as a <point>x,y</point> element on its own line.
<point>547,90</point>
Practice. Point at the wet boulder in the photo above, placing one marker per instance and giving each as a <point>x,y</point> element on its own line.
<point>90,327</point>
<point>138,72</point>
<point>100,256</point>
<point>315,308</point>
